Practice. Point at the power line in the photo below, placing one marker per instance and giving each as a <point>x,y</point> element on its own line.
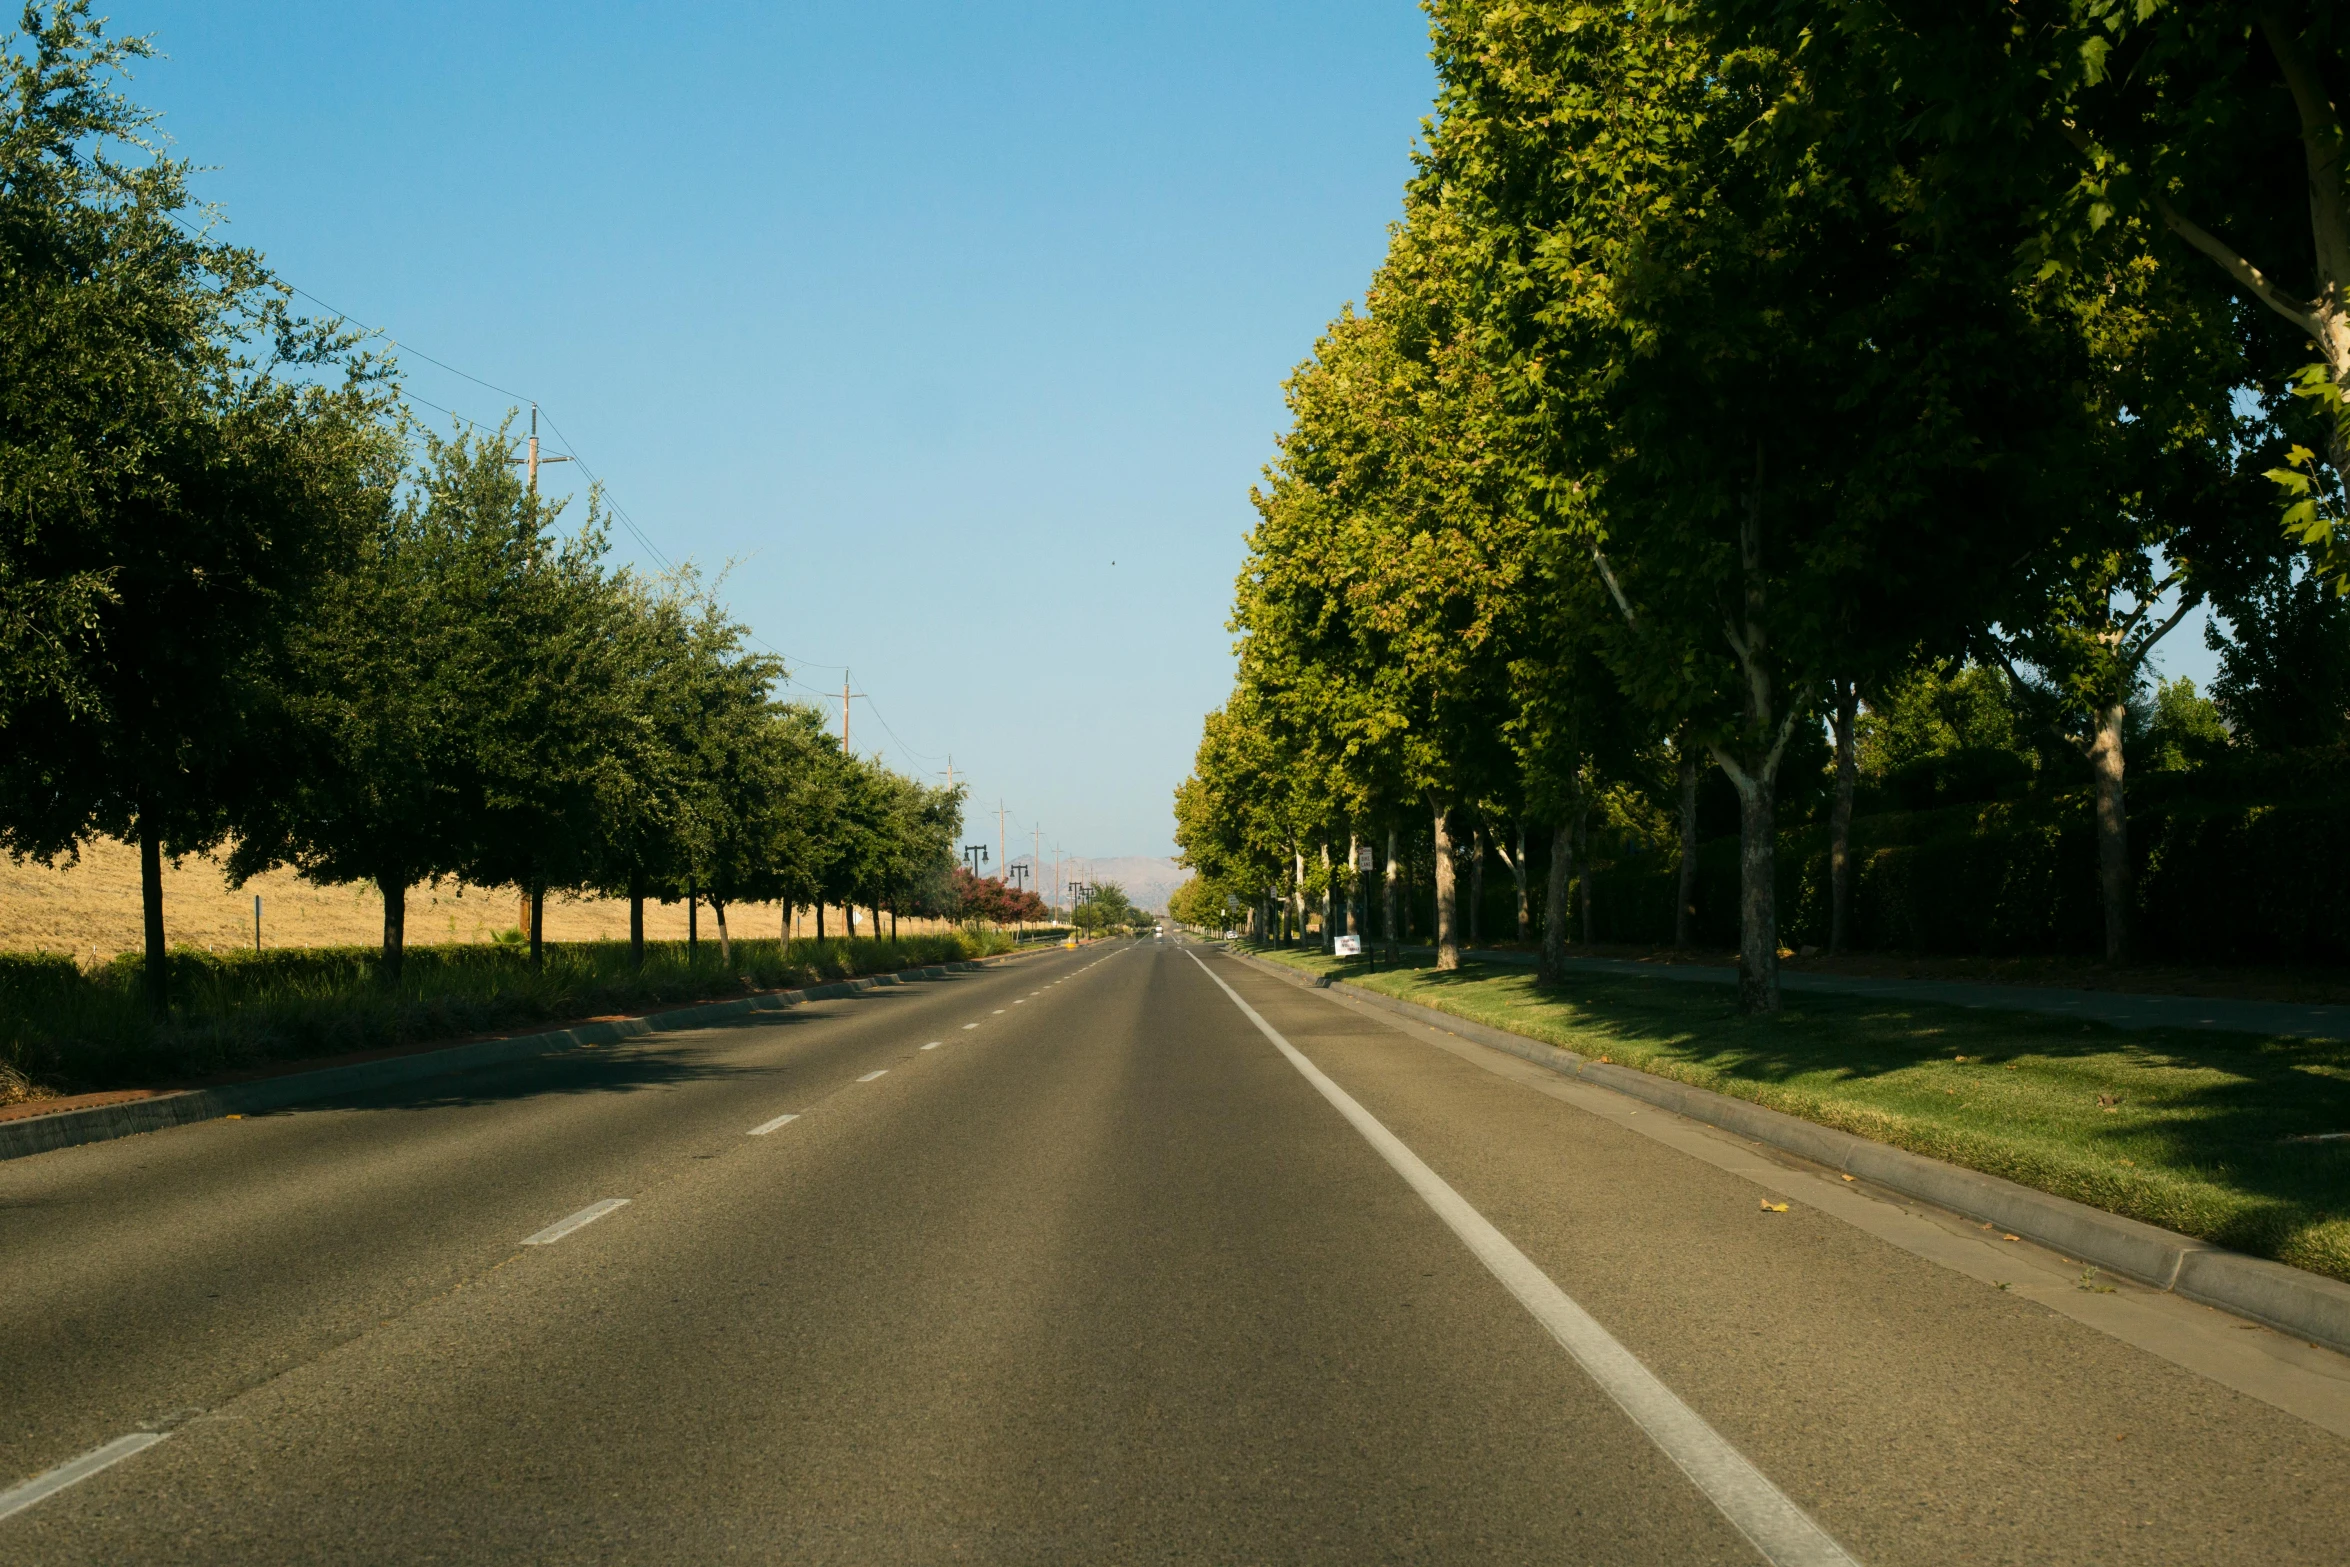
<point>627,521</point>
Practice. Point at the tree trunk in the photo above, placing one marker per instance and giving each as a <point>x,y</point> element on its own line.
<point>893,922</point>
<point>1685,899</point>
<point>151,916</point>
<point>1297,894</point>
<point>1758,894</point>
<point>1553,966</point>
<point>1518,875</point>
<point>636,921</point>
<point>819,919</point>
<point>1583,874</point>
<point>725,947</point>
<point>876,908</point>
<point>693,923</point>
<point>1840,819</point>
<point>1448,935</point>
<point>1358,900</point>
<point>2113,831</point>
<point>1477,885</point>
<point>1393,884</point>
<point>1756,773</point>
<point>538,926</point>
<point>395,896</point>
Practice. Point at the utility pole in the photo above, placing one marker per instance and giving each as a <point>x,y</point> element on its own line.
<point>523,920</point>
<point>1000,816</point>
<point>530,464</point>
<point>845,694</point>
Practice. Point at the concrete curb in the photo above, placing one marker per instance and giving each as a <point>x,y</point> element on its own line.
<point>2304,1304</point>
<point>101,1123</point>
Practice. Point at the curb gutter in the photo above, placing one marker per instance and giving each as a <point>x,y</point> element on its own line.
<point>2289,1299</point>
<point>101,1123</point>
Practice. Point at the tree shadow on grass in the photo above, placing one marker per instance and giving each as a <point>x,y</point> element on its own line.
<point>2217,1110</point>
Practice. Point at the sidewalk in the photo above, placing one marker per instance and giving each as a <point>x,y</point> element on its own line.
<point>2115,1008</point>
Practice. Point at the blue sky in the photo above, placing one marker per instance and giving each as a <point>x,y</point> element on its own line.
<point>921,315</point>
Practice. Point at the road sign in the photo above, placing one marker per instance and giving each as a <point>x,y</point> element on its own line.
<point>1347,946</point>
<point>1366,859</point>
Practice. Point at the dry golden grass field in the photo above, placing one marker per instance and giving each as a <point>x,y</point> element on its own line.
<point>91,908</point>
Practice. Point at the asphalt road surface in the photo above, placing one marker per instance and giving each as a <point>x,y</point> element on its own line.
<point>1125,1254</point>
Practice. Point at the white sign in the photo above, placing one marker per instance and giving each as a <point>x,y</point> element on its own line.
<point>1366,859</point>
<point>1347,946</point>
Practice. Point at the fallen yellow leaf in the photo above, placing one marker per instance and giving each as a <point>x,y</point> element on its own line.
<point>1851,1177</point>
<point>1773,1207</point>
<point>232,1118</point>
<point>2011,1237</point>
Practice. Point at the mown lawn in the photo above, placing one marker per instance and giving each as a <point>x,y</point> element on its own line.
<point>2199,1135</point>
<point>65,1029</point>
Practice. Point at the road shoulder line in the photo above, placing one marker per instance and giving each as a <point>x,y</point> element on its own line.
<point>2306,1305</point>
<point>1769,1519</point>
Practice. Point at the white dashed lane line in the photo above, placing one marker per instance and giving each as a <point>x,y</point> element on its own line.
<point>870,1076</point>
<point>18,1498</point>
<point>764,1127</point>
<point>970,1025</point>
<point>934,1044</point>
<point>586,1216</point>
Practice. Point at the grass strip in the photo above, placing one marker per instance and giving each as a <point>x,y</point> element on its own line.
<point>65,1029</point>
<point>2213,1135</point>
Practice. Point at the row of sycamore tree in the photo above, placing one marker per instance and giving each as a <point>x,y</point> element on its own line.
<point>244,602</point>
<point>1734,359</point>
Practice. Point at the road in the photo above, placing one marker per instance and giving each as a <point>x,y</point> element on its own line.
<point>1096,1256</point>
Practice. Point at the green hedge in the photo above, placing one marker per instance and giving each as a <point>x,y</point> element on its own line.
<point>2225,881</point>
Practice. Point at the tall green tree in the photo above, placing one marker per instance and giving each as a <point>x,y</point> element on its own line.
<point>181,463</point>
<point>1794,399</point>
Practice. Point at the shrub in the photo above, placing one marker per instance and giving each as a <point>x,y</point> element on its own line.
<point>74,1030</point>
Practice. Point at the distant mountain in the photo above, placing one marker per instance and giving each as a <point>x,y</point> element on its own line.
<point>1147,881</point>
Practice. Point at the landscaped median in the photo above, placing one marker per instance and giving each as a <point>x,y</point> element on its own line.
<point>2231,1139</point>
<point>68,1030</point>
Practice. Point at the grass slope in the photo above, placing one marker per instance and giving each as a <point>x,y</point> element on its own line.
<point>2189,1129</point>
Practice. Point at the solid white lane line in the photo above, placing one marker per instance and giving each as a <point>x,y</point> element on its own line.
<point>1782,1531</point>
<point>41,1486</point>
<point>870,1076</point>
<point>764,1127</point>
<point>934,1044</point>
<point>587,1215</point>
